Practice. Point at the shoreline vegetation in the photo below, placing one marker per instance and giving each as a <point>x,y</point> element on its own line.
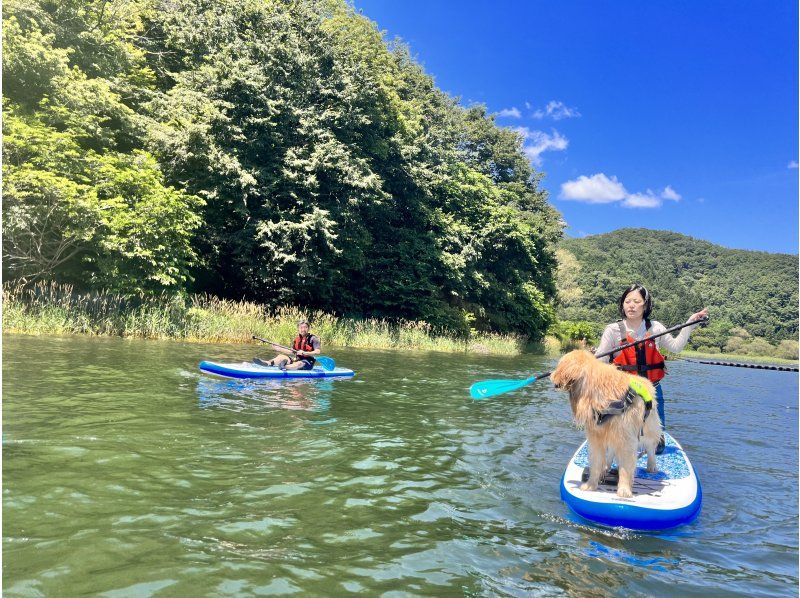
<point>50,308</point>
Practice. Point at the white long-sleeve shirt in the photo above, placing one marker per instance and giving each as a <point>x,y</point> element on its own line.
<point>611,337</point>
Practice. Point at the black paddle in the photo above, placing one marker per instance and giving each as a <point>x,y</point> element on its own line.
<point>492,388</point>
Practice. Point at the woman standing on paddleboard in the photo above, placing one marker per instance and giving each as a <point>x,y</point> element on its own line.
<point>643,359</point>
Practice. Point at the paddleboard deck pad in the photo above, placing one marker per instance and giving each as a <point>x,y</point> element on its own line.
<point>662,500</point>
<point>248,369</point>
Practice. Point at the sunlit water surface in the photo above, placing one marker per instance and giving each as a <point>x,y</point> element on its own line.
<point>127,472</point>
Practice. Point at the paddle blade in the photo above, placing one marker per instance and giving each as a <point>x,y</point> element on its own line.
<point>327,363</point>
<point>492,388</point>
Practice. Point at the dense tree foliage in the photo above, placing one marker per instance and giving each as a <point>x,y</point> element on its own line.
<point>82,199</point>
<point>273,150</point>
<point>748,293</point>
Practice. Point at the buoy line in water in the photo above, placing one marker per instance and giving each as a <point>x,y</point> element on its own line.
<point>757,366</point>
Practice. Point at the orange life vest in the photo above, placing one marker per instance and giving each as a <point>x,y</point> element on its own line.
<point>304,345</point>
<point>643,358</point>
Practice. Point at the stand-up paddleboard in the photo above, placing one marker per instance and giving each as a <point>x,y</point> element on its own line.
<point>662,500</point>
<point>247,369</point>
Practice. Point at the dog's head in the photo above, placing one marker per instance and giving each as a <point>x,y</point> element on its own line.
<point>572,369</point>
<point>591,384</point>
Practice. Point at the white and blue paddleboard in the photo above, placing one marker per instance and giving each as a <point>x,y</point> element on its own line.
<point>248,369</point>
<point>662,500</point>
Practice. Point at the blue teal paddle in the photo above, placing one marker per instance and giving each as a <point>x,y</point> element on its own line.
<point>327,363</point>
<point>492,388</point>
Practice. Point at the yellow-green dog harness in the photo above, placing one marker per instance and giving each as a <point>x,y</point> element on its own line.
<point>636,388</point>
<point>640,389</point>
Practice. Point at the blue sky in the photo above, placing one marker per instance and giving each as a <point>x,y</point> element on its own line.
<point>680,116</point>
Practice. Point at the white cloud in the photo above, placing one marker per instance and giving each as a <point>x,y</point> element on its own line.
<point>602,189</point>
<point>597,188</point>
<point>523,131</point>
<point>512,112</point>
<point>528,105</point>
<point>538,142</point>
<point>792,164</point>
<point>641,200</point>
<point>556,110</point>
<point>670,193</point>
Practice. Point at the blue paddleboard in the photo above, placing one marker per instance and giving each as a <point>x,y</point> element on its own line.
<point>248,369</point>
<point>662,500</point>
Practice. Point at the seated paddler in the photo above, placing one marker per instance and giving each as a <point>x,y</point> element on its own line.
<point>304,347</point>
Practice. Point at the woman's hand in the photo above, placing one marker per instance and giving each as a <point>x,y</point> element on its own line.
<point>300,353</point>
<point>703,313</point>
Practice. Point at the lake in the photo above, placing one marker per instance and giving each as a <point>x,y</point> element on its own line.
<point>127,472</point>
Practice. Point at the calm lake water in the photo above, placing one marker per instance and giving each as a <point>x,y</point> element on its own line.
<point>126,472</point>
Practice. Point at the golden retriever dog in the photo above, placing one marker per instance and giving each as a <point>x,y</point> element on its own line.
<point>593,387</point>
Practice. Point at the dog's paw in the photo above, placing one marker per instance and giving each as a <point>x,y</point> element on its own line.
<point>588,486</point>
<point>652,469</point>
<point>624,492</point>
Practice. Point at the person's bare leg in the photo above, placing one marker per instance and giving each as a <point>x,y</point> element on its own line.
<point>280,359</point>
<point>295,366</point>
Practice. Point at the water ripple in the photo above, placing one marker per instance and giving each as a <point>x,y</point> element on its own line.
<point>126,472</point>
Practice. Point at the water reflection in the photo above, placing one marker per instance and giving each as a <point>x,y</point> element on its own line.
<point>238,394</point>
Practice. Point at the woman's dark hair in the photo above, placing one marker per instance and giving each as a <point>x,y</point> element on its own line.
<point>648,300</point>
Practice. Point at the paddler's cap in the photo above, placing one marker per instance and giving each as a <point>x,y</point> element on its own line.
<point>303,321</point>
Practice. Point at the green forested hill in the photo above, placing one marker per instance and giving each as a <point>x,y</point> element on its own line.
<point>748,293</point>
<point>278,151</point>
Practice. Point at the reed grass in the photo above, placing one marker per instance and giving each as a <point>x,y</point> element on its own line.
<point>50,308</point>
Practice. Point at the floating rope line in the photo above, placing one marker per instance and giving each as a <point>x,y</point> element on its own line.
<point>756,366</point>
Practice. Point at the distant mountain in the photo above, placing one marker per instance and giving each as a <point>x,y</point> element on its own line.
<point>751,290</point>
